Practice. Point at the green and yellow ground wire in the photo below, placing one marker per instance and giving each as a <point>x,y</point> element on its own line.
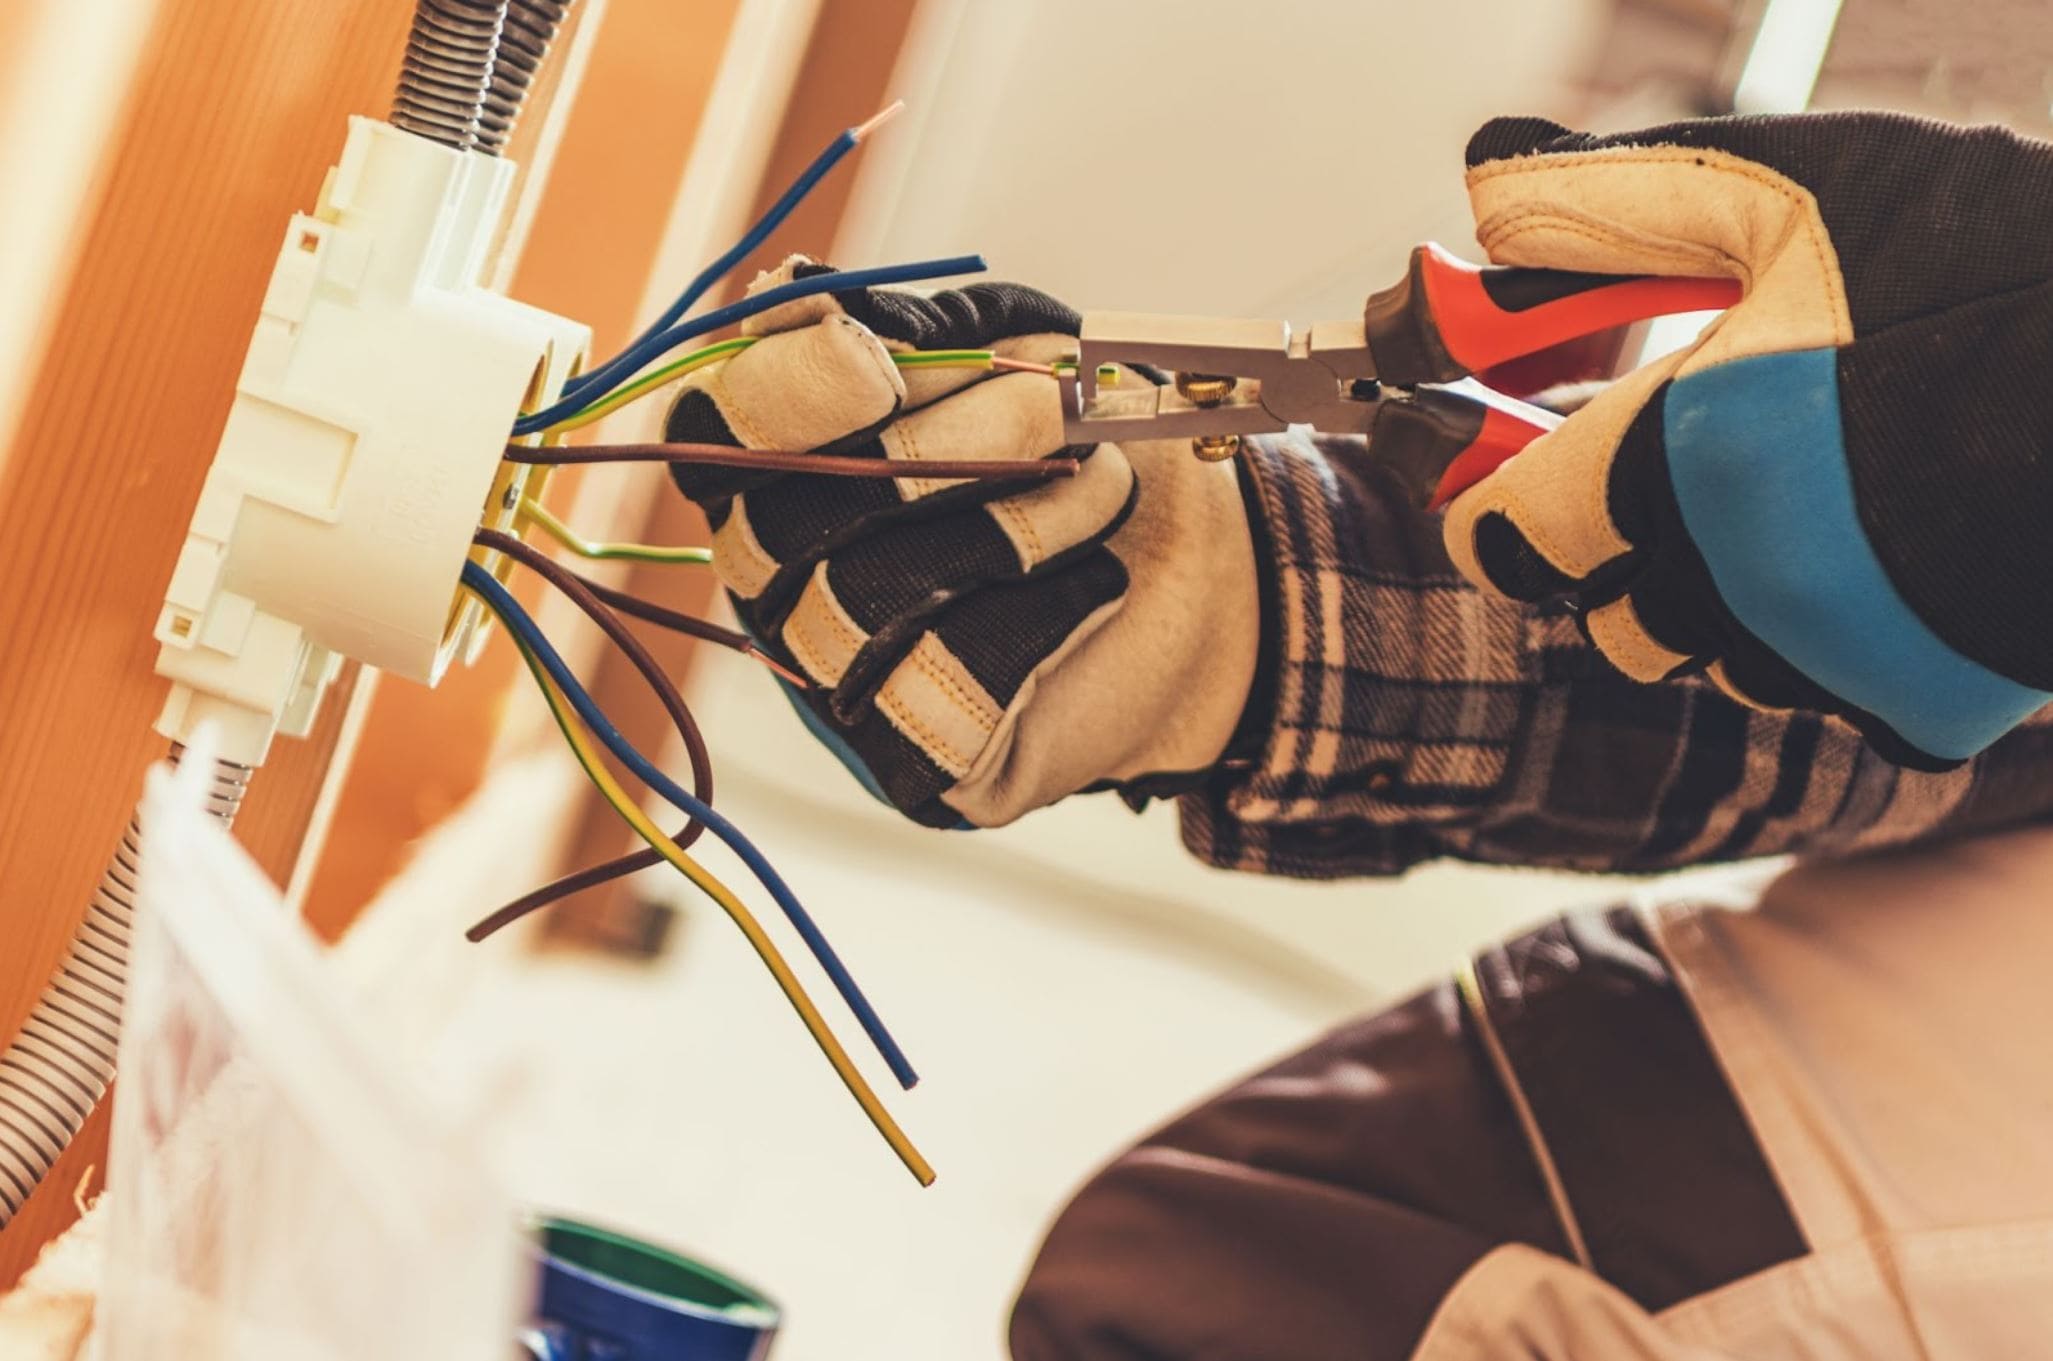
<point>531,509</point>
<point>698,359</point>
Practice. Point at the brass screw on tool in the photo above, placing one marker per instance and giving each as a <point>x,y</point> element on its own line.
<point>1209,389</point>
<point>1205,389</point>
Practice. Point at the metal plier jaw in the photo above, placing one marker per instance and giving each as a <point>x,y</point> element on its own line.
<point>1236,378</point>
<point>1445,321</point>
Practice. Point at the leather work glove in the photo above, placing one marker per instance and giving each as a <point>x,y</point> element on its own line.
<point>1841,497</point>
<point>978,649</point>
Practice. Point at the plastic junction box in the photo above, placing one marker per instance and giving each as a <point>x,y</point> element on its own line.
<point>364,448</point>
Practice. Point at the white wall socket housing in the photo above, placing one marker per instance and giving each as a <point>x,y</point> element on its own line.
<point>364,447</point>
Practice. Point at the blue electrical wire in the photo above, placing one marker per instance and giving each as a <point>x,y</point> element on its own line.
<point>519,621</point>
<point>610,374</point>
<point>713,273</point>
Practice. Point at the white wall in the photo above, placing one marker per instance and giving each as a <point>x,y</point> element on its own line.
<point>1278,158</point>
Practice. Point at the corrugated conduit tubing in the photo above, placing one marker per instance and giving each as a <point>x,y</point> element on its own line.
<point>61,1063</point>
<point>450,54</point>
<point>531,26</point>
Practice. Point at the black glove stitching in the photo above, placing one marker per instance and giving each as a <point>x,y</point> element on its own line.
<point>877,658</point>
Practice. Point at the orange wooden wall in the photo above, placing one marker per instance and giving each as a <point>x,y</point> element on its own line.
<point>237,109</point>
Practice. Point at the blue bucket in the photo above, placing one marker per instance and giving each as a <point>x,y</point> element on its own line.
<point>608,1297</point>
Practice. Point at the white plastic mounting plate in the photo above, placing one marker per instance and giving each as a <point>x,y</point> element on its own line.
<point>364,447</point>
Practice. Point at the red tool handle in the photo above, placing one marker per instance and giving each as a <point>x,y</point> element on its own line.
<point>1449,318</point>
<point>1442,442</point>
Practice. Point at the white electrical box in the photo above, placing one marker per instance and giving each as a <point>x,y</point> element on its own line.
<point>364,448</point>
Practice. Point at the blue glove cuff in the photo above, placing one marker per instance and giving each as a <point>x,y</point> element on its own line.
<point>1757,457</point>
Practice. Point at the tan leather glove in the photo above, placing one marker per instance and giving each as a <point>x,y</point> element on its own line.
<point>978,650</point>
<point>1838,498</point>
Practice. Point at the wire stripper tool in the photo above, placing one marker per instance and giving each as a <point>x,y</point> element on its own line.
<point>1445,320</point>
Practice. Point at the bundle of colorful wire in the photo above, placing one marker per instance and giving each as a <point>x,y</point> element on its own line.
<point>627,377</point>
<point>559,685</point>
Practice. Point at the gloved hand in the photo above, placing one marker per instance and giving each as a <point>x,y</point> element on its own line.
<point>1841,497</point>
<point>978,649</point>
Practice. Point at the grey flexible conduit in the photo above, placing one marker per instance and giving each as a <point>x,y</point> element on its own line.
<point>531,26</point>
<point>450,54</point>
<point>59,1066</point>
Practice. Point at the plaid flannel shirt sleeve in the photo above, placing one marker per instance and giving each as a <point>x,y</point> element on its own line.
<point>1411,717</point>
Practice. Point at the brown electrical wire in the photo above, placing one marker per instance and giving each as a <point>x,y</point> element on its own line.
<point>634,861</point>
<point>604,872</point>
<point>585,598</point>
<point>692,626</point>
<point>780,461</point>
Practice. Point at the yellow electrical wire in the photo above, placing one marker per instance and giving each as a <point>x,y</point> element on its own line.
<point>540,514</point>
<point>766,949</point>
<point>649,382</point>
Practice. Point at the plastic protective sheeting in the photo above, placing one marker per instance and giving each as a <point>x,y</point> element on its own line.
<point>279,1189</point>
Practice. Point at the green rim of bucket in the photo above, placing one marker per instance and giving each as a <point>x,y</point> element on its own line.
<point>650,1270</point>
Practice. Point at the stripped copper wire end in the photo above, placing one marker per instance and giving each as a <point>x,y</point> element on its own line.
<point>877,120</point>
<point>784,672</point>
<point>999,361</point>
